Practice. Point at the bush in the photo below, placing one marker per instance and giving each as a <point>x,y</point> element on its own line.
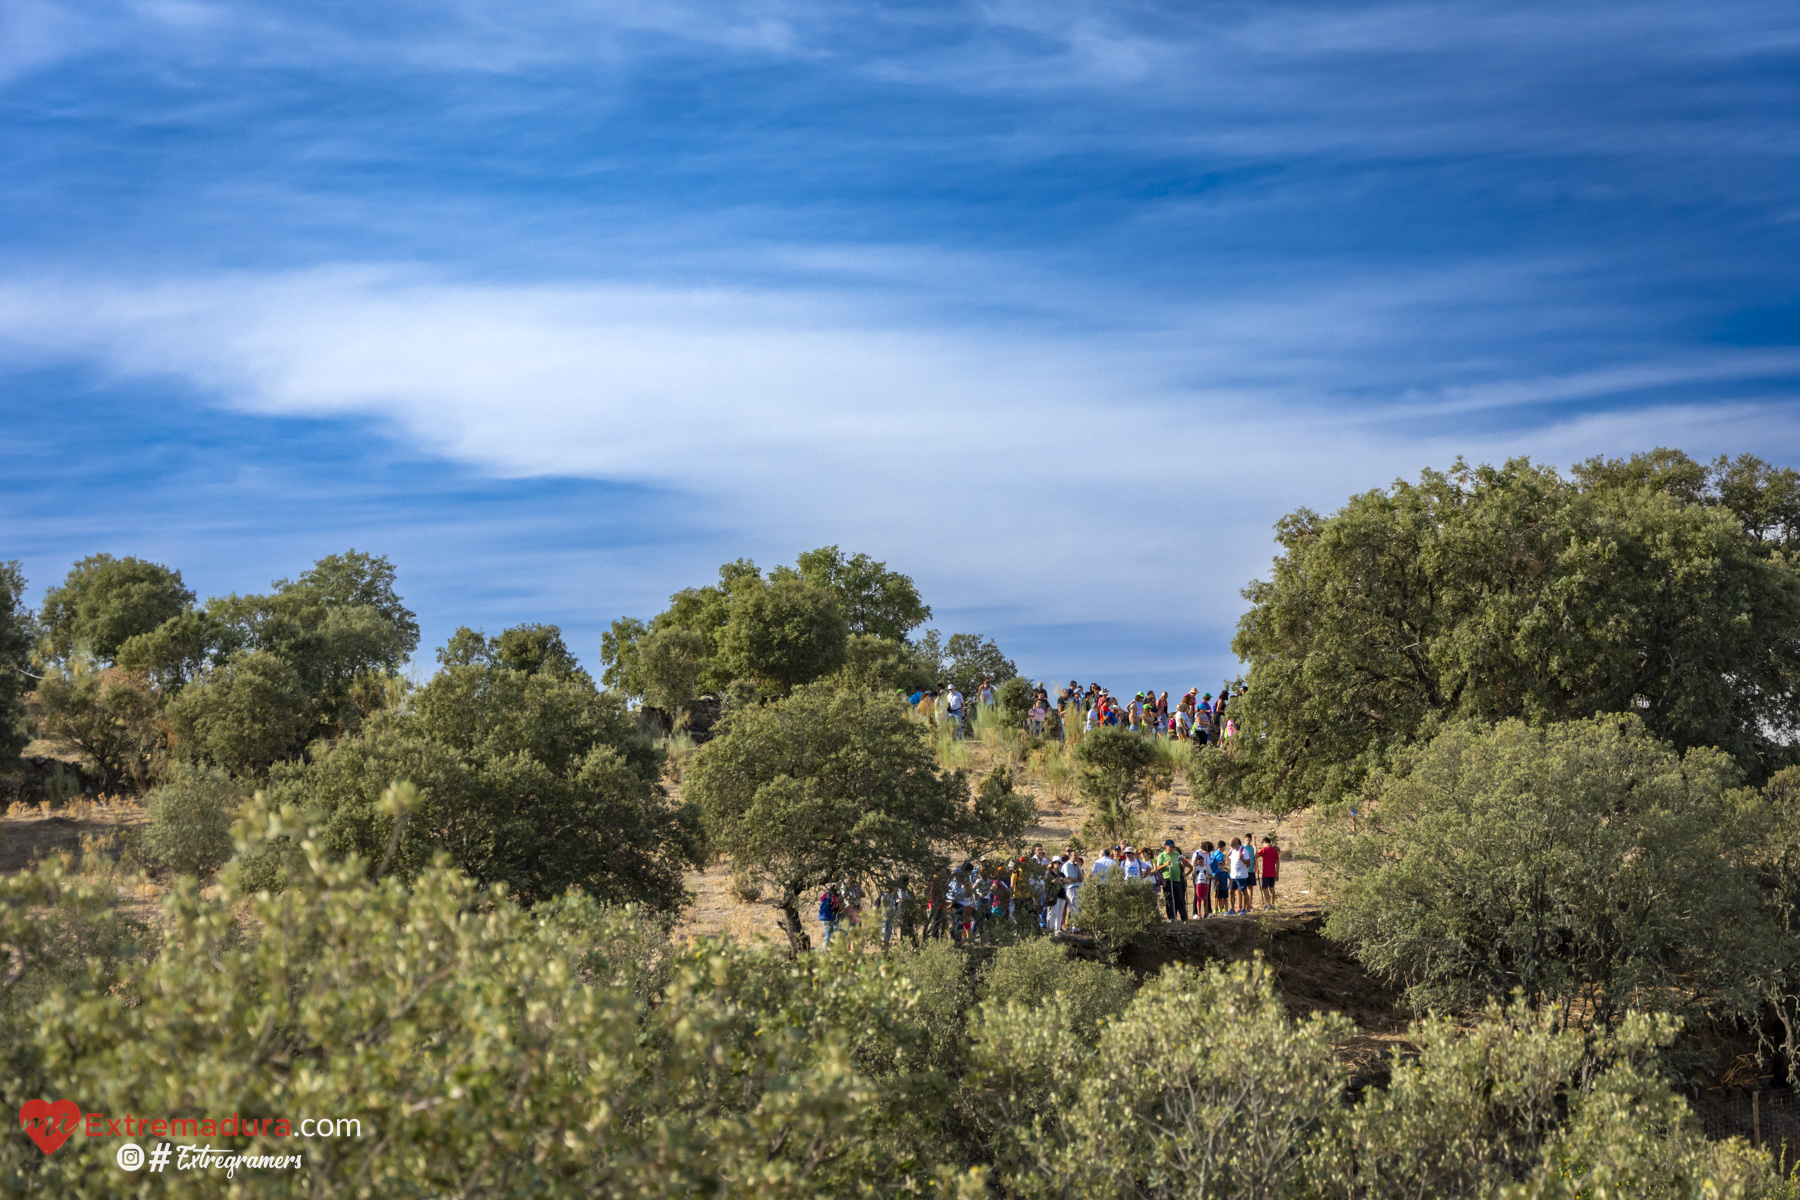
<point>1513,1100</point>
<point>244,715</point>
<point>1033,972</point>
<point>1118,911</point>
<point>190,820</point>
<point>1169,1104</point>
<point>746,888</point>
<point>1586,864</point>
<point>1014,701</point>
<point>533,1064</point>
<point>111,716</point>
<point>1112,765</point>
<point>997,818</point>
<point>534,779</point>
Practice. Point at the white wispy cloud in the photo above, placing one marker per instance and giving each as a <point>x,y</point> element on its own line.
<point>1064,471</point>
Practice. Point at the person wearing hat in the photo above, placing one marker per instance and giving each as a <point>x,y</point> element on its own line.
<point>1168,874</point>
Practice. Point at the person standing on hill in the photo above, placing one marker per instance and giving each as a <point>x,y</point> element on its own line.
<point>1072,877</point>
<point>1203,886</point>
<point>1103,866</point>
<point>1056,897</point>
<point>985,694</point>
<point>1239,863</point>
<point>1168,867</point>
<point>1270,856</point>
<point>953,710</point>
<point>829,908</point>
<point>1221,878</point>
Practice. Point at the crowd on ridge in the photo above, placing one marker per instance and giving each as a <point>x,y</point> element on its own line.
<point>1224,879</point>
<point>1197,716</point>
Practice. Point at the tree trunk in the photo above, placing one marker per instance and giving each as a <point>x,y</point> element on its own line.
<point>790,924</point>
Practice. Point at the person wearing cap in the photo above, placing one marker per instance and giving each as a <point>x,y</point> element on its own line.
<point>1168,868</point>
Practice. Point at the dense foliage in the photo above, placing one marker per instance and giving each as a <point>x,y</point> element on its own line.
<point>1651,585</point>
<point>831,783</point>
<point>526,775</point>
<point>191,813</point>
<point>1585,866</point>
<point>751,636</point>
<point>568,1050</point>
<point>1112,765</point>
<point>16,637</point>
<point>105,601</point>
<point>110,715</point>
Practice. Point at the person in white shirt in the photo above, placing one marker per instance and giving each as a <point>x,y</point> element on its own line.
<point>1133,865</point>
<point>1203,880</point>
<point>1103,866</point>
<point>1239,860</point>
<point>1072,877</point>
<point>953,711</point>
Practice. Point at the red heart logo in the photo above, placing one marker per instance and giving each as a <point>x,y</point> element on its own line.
<point>49,1124</point>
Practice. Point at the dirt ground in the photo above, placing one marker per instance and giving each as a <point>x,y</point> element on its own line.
<point>1173,814</point>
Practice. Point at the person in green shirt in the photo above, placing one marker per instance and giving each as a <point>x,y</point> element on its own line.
<point>1168,870</point>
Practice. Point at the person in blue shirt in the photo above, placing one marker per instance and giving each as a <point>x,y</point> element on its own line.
<point>830,905</point>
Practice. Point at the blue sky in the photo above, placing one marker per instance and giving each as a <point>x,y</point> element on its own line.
<point>1055,306</point>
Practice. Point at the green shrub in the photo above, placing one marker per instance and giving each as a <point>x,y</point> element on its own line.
<point>1111,766</point>
<point>1118,911</point>
<point>111,716</point>
<point>746,888</point>
<point>190,820</point>
<point>1035,971</point>
<point>1584,863</point>
<point>244,715</point>
<point>1014,701</point>
<point>1513,1102</point>
<point>1202,1087</point>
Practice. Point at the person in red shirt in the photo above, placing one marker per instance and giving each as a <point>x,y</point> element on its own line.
<point>1269,859</point>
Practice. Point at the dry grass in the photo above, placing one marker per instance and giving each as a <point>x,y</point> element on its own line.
<point>1173,813</point>
<point>90,831</point>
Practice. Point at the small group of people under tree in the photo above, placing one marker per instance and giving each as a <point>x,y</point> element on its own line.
<point>1224,878</point>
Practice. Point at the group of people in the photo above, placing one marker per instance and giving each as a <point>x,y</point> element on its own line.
<point>1224,878</point>
<point>1196,716</point>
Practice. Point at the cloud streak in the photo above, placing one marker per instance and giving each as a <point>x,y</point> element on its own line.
<point>1057,305</point>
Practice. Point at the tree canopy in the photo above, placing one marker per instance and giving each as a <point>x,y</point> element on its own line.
<point>756,635</point>
<point>105,601</point>
<point>528,777</point>
<point>831,782</point>
<point>873,599</point>
<point>16,637</point>
<point>1649,585</point>
<point>783,634</point>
